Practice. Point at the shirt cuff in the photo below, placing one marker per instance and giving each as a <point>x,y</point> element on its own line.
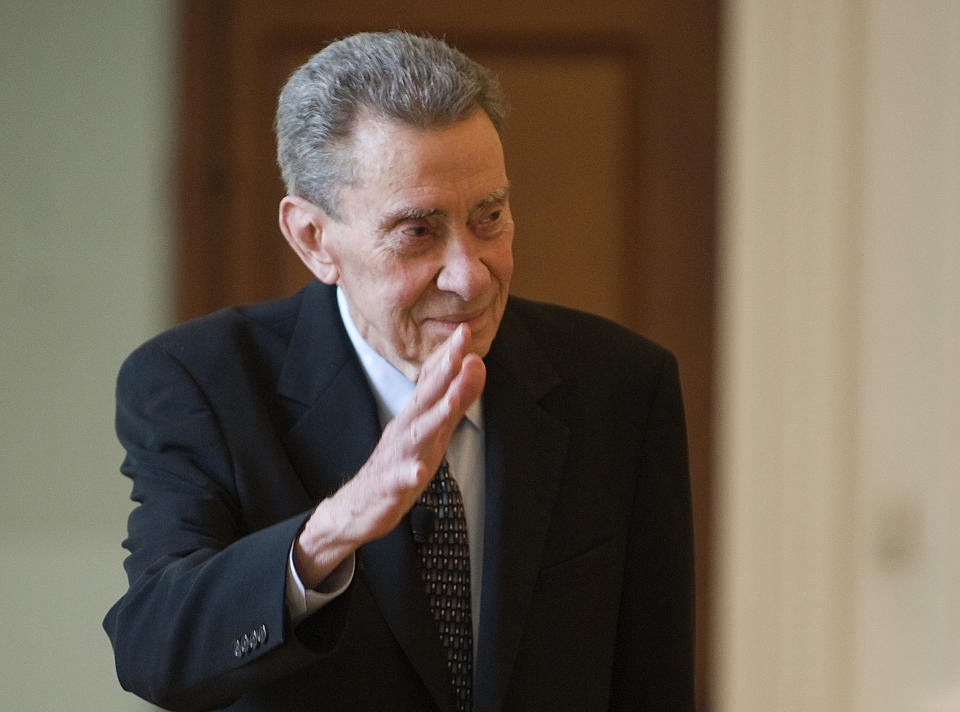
<point>301,602</point>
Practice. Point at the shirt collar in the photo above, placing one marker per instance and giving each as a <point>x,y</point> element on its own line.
<point>391,389</point>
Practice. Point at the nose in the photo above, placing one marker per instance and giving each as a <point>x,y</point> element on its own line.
<point>464,272</point>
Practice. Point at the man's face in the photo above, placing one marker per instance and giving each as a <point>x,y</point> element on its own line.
<point>424,237</point>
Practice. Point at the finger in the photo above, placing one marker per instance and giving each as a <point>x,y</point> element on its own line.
<point>433,428</point>
<point>462,388</point>
<point>471,380</point>
<point>419,476</point>
<point>465,388</point>
<point>439,370</point>
<point>445,360</point>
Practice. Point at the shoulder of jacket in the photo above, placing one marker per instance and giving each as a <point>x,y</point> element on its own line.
<point>224,331</point>
<point>559,327</point>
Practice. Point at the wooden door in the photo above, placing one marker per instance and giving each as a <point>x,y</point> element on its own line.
<point>610,147</point>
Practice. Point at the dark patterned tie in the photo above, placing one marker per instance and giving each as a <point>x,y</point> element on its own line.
<point>445,567</point>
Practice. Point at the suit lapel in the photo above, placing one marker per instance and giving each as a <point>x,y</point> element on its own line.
<point>338,427</point>
<point>327,445</point>
<point>526,447</point>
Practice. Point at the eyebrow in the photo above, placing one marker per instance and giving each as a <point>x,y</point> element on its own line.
<point>408,213</point>
<point>416,213</point>
<point>497,196</point>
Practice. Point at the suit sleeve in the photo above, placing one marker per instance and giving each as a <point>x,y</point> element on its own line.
<point>203,620</point>
<point>653,666</point>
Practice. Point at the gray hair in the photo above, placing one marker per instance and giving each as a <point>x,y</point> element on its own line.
<point>420,81</point>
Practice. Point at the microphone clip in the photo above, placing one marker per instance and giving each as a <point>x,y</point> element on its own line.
<point>422,522</point>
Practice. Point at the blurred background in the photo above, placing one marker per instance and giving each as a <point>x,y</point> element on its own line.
<point>767,187</point>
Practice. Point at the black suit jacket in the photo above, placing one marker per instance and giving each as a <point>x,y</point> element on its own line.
<point>235,425</point>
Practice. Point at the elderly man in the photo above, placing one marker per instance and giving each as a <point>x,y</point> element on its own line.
<point>400,489</point>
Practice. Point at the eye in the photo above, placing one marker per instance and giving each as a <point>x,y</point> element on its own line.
<point>491,216</point>
<point>411,237</point>
<point>490,223</point>
<point>416,231</point>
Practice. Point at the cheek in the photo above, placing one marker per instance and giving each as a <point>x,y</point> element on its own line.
<point>405,287</point>
<point>501,259</point>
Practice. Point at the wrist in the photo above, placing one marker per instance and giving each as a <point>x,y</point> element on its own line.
<point>322,545</point>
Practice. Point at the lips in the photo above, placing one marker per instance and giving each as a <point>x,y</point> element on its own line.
<point>460,318</point>
<point>475,319</point>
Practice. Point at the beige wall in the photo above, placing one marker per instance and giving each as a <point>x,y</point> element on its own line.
<point>839,378</point>
<point>85,139</point>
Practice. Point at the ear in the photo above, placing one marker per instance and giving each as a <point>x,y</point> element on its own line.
<point>303,224</point>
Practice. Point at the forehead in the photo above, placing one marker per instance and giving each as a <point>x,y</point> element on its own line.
<point>392,159</point>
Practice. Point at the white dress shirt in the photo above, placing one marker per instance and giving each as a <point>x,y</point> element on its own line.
<point>465,456</point>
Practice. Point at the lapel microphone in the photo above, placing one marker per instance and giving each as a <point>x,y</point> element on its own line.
<point>422,521</point>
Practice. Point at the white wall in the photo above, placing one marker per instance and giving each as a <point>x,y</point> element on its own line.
<point>839,379</point>
<point>907,553</point>
<point>85,251</point>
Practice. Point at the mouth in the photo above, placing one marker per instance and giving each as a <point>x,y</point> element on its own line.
<point>474,319</point>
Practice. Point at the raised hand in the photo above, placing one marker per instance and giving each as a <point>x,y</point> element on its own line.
<point>411,448</point>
